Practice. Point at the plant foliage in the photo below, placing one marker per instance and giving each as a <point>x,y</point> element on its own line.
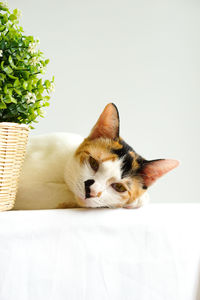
<point>23,93</point>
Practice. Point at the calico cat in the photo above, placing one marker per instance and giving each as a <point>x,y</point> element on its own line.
<point>64,170</point>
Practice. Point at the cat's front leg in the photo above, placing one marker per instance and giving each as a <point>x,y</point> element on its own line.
<point>139,202</point>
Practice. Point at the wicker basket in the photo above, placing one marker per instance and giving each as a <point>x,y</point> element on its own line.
<point>13,140</point>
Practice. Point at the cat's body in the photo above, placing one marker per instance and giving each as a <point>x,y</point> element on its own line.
<point>64,170</point>
<point>42,184</point>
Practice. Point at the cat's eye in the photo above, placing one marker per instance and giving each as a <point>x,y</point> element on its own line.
<point>120,188</point>
<point>94,164</point>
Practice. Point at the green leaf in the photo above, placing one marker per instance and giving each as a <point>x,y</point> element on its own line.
<point>46,98</point>
<point>46,104</point>
<point>13,100</point>
<point>21,29</point>
<point>2,64</point>
<point>47,83</point>
<point>12,17</point>
<point>18,92</point>
<point>8,70</point>
<point>16,83</point>
<point>4,19</point>
<point>26,75</point>
<point>2,76</point>
<point>3,7</point>
<point>41,89</point>
<point>2,105</point>
<point>5,89</point>
<point>25,84</point>
<point>29,86</point>
<point>20,68</point>
<point>2,28</point>
<point>11,62</point>
<point>12,77</point>
<point>22,109</point>
<point>7,99</point>
<point>39,96</point>
<point>15,12</point>
<point>30,38</point>
<point>39,83</point>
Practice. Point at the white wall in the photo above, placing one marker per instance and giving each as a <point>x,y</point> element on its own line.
<point>142,55</point>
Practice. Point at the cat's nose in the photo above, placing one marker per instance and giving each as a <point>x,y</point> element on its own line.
<point>88,183</point>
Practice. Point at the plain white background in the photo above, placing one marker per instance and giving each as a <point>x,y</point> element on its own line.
<point>141,55</point>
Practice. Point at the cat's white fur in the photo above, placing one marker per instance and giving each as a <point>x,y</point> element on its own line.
<point>52,178</point>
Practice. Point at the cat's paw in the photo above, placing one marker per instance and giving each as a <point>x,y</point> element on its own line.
<point>139,202</point>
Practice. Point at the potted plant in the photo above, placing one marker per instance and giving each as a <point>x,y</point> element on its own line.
<point>23,96</point>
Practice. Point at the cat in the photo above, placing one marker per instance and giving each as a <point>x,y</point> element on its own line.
<point>63,170</point>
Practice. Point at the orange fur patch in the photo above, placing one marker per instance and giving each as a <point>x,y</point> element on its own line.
<point>136,191</point>
<point>135,164</point>
<point>100,149</point>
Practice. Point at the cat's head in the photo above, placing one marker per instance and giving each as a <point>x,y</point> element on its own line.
<point>111,173</point>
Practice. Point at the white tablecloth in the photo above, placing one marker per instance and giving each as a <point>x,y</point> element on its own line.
<point>152,253</point>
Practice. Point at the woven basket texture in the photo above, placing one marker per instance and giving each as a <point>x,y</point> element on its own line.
<point>13,140</point>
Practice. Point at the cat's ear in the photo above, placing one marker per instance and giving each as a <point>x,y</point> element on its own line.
<point>154,169</point>
<point>107,125</point>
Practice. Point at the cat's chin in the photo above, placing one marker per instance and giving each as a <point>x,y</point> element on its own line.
<point>85,202</point>
<point>81,201</point>
<point>88,202</point>
<point>94,202</point>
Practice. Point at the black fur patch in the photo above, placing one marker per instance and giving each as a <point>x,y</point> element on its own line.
<point>140,160</point>
<point>127,165</point>
<point>127,158</point>
<point>124,150</point>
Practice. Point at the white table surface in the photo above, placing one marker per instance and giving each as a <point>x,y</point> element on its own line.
<point>152,253</point>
